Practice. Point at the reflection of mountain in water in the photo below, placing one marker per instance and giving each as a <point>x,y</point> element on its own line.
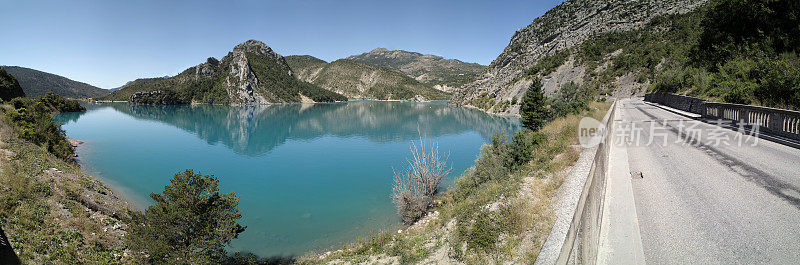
<point>255,130</point>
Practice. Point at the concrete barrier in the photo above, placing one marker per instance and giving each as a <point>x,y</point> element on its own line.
<point>583,236</point>
<point>780,122</point>
<point>684,103</point>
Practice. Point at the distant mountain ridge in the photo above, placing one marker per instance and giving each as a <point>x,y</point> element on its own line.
<point>252,73</point>
<point>36,83</point>
<point>358,80</point>
<point>444,74</point>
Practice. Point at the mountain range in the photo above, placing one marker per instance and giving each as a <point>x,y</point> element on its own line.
<point>252,73</point>
<point>721,50</point>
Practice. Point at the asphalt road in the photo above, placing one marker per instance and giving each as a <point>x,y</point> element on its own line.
<point>710,201</point>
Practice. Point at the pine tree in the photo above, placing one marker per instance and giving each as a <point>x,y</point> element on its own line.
<point>534,110</point>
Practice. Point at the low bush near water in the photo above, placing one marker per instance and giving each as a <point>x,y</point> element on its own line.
<point>415,186</point>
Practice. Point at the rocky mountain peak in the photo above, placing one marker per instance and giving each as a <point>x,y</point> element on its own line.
<point>379,49</point>
<point>241,80</point>
<point>256,47</point>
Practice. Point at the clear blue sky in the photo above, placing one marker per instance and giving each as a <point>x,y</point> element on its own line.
<point>107,43</point>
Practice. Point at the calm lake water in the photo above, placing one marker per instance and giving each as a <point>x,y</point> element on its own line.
<point>310,176</point>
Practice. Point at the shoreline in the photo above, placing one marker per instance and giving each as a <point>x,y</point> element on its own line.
<point>115,188</point>
<point>509,115</point>
<point>445,101</point>
<point>278,103</point>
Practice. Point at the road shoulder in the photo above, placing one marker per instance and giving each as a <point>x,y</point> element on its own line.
<point>620,239</point>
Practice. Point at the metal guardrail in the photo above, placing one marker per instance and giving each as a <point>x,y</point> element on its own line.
<point>583,236</point>
<point>780,122</point>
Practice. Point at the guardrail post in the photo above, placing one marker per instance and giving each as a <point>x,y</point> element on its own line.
<point>744,116</point>
<point>775,123</point>
<point>702,109</point>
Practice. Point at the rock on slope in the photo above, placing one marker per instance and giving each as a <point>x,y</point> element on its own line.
<point>250,74</point>
<point>561,28</point>
<point>443,74</point>
<point>9,87</point>
<point>358,80</point>
<point>36,83</point>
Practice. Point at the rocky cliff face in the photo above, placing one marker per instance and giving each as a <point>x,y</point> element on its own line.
<point>9,87</point>
<point>560,29</point>
<point>443,74</point>
<point>241,81</point>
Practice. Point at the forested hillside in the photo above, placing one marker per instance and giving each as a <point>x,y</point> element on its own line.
<point>737,51</point>
<point>36,83</point>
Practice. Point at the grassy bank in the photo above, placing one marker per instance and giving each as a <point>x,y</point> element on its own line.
<point>51,212</point>
<point>499,211</point>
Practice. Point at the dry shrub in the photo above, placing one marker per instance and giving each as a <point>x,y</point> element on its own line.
<point>415,186</point>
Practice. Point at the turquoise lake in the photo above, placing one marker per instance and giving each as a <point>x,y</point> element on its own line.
<point>310,176</point>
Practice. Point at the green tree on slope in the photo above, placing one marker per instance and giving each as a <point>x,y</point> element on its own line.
<point>190,223</point>
<point>534,110</point>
